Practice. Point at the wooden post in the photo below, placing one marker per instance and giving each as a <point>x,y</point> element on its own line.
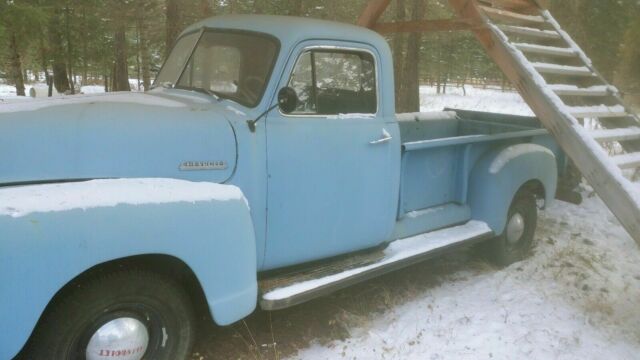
<point>373,12</point>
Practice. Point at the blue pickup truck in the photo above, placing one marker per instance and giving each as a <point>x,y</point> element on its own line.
<point>266,167</point>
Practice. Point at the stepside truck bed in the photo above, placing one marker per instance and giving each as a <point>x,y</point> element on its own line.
<point>439,152</point>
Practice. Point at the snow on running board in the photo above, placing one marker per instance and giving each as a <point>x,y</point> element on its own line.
<point>23,200</point>
<point>396,251</point>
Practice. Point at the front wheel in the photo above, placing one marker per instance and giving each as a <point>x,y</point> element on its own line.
<point>516,240</point>
<point>127,315</point>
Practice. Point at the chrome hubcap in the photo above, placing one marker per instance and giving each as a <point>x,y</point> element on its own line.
<point>515,228</point>
<point>122,339</point>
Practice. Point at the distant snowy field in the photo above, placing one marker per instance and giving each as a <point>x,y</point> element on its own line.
<point>577,297</point>
<point>489,100</point>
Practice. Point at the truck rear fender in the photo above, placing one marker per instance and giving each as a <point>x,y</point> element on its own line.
<point>42,252</point>
<point>501,173</point>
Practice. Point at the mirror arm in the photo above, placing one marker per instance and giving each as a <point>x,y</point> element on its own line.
<point>252,123</point>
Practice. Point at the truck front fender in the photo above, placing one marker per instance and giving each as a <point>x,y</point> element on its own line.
<point>499,174</point>
<point>41,251</point>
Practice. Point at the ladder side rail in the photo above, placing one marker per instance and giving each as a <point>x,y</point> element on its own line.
<point>607,180</point>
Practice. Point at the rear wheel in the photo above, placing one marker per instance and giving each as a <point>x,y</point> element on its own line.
<point>128,315</point>
<point>515,242</point>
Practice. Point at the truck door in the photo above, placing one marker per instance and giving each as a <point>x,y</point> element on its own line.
<point>332,162</point>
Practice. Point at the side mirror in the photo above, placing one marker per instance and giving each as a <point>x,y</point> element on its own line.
<point>287,100</point>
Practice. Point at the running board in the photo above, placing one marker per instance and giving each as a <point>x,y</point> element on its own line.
<point>293,289</point>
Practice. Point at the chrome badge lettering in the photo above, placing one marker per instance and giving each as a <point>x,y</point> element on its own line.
<point>203,165</point>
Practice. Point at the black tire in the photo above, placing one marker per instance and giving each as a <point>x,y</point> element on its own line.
<point>504,252</point>
<point>156,301</point>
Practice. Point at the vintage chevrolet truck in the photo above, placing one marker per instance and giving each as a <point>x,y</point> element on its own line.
<point>266,167</point>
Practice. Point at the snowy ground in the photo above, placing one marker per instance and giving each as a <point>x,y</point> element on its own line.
<point>478,99</point>
<point>576,297</point>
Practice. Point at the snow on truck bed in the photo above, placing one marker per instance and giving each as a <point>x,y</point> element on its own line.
<point>23,200</point>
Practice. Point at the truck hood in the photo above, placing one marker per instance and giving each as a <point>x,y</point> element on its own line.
<point>116,135</point>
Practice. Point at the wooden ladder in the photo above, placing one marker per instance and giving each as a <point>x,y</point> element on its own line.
<point>574,102</point>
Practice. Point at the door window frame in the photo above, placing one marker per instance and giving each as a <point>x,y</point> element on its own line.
<point>284,81</point>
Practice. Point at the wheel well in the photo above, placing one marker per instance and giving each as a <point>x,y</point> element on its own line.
<point>165,265</point>
<point>533,186</point>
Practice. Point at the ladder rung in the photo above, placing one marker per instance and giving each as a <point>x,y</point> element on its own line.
<point>512,16</point>
<point>556,69</point>
<point>623,134</point>
<point>598,111</point>
<point>531,32</point>
<point>545,50</point>
<point>572,90</point>
<point>627,161</point>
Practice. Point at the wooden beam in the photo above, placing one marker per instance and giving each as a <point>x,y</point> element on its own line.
<point>426,26</point>
<point>516,5</point>
<point>373,12</point>
<point>512,17</point>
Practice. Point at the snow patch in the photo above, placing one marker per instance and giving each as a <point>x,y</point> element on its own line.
<point>24,200</point>
<point>549,67</point>
<point>471,98</point>
<point>599,88</point>
<point>598,109</point>
<point>121,97</point>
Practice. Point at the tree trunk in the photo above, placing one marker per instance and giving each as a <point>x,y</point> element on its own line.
<point>121,69</point>
<point>296,8</point>
<point>15,63</point>
<point>411,77</point>
<point>145,56</point>
<point>60,78</point>
<point>398,54</point>
<point>85,51</point>
<point>206,9</point>
<point>173,24</point>
<point>258,6</point>
<point>67,21</point>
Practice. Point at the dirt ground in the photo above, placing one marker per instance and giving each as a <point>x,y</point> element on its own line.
<point>274,335</point>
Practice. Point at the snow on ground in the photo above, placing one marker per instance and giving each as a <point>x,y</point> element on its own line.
<point>575,298</point>
<point>8,92</point>
<point>478,99</point>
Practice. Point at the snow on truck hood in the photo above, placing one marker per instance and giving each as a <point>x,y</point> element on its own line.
<point>113,98</point>
<point>24,200</point>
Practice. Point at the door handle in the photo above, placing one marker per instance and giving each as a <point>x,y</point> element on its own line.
<point>386,137</point>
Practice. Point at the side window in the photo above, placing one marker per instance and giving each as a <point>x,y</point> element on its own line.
<point>331,82</point>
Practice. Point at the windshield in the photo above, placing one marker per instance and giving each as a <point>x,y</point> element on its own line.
<point>231,65</point>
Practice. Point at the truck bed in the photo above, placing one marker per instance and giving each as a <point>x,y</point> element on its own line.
<point>439,150</point>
